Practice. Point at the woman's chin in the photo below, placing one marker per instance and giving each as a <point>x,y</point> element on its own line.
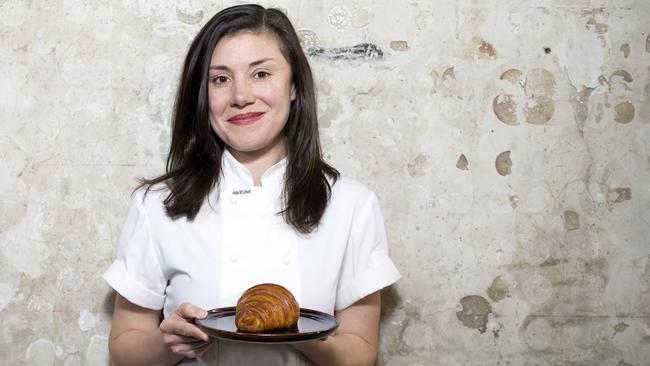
<point>257,147</point>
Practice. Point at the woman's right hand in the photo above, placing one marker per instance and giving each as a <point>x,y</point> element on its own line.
<point>180,333</point>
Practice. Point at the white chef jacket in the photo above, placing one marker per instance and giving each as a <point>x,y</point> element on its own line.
<point>238,240</point>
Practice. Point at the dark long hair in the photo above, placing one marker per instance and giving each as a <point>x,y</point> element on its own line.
<point>194,160</point>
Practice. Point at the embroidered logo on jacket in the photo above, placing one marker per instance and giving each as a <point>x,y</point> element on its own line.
<point>242,191</point>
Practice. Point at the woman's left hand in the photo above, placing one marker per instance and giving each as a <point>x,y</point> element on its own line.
<point>355,341</point>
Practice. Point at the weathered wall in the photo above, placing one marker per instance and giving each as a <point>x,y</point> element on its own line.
<point>508,143</point>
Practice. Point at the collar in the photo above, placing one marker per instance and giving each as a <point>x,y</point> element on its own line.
<point>235,175</point>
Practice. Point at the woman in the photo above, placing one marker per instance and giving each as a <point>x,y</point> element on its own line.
<point>247,199</point>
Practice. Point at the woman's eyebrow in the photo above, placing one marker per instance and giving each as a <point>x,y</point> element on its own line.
<point>252,64</point>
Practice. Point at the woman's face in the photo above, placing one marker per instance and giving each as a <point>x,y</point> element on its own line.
<point>250,93</point>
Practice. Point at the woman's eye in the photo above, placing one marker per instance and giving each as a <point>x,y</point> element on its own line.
<point>261,74</point>
<point>219,79</point>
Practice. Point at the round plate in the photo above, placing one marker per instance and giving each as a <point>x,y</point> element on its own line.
<point>312,324</point>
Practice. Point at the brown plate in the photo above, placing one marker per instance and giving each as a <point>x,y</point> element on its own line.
<point>312,324</point>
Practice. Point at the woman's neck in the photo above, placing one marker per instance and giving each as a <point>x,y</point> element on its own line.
<point>258,162</point>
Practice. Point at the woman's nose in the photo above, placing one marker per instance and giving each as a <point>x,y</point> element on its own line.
<point>242,93</point>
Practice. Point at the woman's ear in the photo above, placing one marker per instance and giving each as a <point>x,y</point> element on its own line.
<point>293,92</point>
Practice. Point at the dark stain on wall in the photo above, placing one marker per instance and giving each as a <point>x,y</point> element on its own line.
<point>363,51</point>
<point>647,44</point>
<point>514,76</point>
<point>620,327</point>
<point>443,83</point>
<point>571,220</point>
<point>539,110</point>
<point>538,90</point>
<point>623,75</point>
<point>550,262</point>
<point>597,22</point>
<point>598,28</point>
<point>416,168</point>
<point>399,45</point>
<point>597,266</point>
<point>449,73</point>
<point>498,290</point>
<point>504,104</point>
<point>514,201</point>
<point>624,112</point>
<point>462,163</point>
<point>625,48</point>
<point>390,300</point>
<point>618,195</point>
<point>617,83</point>
<point>503,163</point>
<point>539,82</point>
<point>474,313</point>
<point>487,49</point>
<point>505,108</point>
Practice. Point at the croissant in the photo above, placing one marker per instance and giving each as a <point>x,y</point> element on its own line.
<point>266,307</point>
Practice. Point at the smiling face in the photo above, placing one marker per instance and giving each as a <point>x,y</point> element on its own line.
<point>249,94</point>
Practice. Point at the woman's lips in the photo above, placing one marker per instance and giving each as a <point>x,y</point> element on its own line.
<point>245,118</point>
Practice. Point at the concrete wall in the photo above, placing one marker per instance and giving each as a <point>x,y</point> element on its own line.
<point>508,142</point>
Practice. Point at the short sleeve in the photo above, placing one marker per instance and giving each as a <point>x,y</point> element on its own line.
<point>136,273</point>
<point>366,264</point>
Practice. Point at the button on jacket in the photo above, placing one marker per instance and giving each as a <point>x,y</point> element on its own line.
<point>238,240</point>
